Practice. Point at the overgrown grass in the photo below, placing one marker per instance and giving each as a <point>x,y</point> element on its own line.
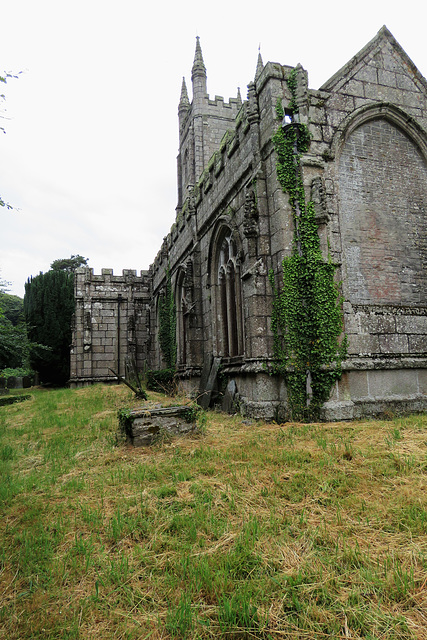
<point>249,531</point>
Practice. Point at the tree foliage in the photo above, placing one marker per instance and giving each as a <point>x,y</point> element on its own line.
<point>12,307</point>
<point>13,334</point>
<point>48,307</point>
<point>69,264</point>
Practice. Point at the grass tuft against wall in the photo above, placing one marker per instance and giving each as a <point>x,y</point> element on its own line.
<point>249,531</point>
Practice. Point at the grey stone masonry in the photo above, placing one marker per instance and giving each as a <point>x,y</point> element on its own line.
<point>366,173</point>
<point>110,324</point>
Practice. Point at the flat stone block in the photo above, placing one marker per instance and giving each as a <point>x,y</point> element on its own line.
<point>142,426</point>
<point>412,324</point>
<point>393,343</point>
<point>417,343</point>
<point>382,324</point>
<point>398,382</point>
<point>333,411</point>
<point>14,382</point>
<point>97,349</point>
<point>363,344</point>
<point>422,381</point>
<point>357,384</point>
<point>259,346</point>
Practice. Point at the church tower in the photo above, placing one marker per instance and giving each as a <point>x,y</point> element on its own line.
<point>202,125</point>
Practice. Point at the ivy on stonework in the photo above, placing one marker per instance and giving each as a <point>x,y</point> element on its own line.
<point>167,323</point>
<point>307,321</point>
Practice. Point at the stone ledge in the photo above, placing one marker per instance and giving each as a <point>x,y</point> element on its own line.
<point>334,411</point>
<point>393,361</point>
<point>85,381</point>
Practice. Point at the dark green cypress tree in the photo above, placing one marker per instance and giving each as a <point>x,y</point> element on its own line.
<point>48,308</point>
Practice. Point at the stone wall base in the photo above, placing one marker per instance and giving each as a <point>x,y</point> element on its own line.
<point>360,393</point>
<point>368,393</point>
<point>75,383</point>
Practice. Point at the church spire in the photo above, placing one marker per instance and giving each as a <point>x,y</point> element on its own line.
<point>199,68</point>
<point>198,73</point>
<point>259,66</point>
<point>184,102</point>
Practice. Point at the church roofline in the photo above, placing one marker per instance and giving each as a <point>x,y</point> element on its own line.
<point>383,35</point>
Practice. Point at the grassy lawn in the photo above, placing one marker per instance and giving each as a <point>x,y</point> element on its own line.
<point>247,530</point>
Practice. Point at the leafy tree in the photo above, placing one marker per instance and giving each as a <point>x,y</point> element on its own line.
<point>48,308</point>
<point>13,344</point>
<point>69,264</point>
<point>13,333</point>
<point>12,307</point>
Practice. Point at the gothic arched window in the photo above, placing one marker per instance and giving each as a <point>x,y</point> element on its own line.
<point>228,297</point>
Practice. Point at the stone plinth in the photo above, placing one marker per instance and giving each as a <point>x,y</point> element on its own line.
<point>146,425</point>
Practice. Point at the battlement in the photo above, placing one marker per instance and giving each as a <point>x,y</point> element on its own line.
<point>127,274</point>
<point>219,101</point>
<point>89,285</point>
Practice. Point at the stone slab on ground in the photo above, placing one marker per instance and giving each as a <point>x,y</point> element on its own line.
<point>144,426</point>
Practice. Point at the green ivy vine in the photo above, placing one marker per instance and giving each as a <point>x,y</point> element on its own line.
<point>167,323</point>
<point>307,321</point>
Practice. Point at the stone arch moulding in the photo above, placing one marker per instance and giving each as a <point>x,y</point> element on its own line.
<point>381,170</point>
<point>225,255</point>
<point>220,224</point>
<point>384,110</point>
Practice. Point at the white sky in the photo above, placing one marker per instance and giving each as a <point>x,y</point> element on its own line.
<point>89,157</point>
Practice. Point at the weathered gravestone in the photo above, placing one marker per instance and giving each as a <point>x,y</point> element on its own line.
<point>209,382</point>
<point>230,401</point>
<point>146,425</point>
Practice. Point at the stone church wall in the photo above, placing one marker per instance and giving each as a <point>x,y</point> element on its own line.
<point>376,172</point>
<point>366,173</point>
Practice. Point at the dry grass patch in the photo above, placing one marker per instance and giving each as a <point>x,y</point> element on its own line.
<point>249,530</point>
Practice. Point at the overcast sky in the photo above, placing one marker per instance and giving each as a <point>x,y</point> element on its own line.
<point>89,157</point>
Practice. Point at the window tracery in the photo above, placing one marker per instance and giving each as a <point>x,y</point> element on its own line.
<point>229,298</point>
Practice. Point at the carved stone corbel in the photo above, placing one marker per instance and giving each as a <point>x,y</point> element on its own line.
<point>318,198</point>
<point>251,215</point>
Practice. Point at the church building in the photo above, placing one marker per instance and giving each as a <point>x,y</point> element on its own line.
<point>364,171</point>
